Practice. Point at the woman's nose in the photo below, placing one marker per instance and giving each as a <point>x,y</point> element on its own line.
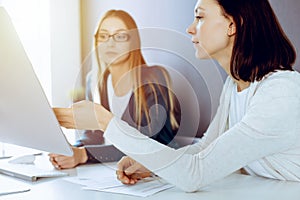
<point>110,41</point>
<point>191,29</point>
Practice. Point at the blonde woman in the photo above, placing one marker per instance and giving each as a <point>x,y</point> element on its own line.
<point>134,92</point>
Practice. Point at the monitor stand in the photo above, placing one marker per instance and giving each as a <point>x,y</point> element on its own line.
<point>10,150</point>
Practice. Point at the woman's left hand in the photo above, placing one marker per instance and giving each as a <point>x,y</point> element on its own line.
<point>66,162</point>
<point>84,115</point>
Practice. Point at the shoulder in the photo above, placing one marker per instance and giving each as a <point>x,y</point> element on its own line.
<point>280,84</point>
<point>91,77</point>
<point>155,82</point>
<point>154,73</point>
<point>283,76</point>
<point>274,108</point>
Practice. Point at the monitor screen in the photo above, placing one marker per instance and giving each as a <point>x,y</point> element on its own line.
<point>26,117</point>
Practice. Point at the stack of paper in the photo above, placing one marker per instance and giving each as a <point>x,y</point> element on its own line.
<point>143,188</point>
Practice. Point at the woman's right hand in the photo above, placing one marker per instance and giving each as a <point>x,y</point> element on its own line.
<point>129,171</point>
<point>84,115</point>
<point>67,162</point>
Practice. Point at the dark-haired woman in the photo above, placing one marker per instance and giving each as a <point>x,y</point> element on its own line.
<point>257,124</point>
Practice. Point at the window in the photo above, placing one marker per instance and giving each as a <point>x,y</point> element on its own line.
<point>31,19</point>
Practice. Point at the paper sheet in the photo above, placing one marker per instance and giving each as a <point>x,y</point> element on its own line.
<point>104,182</point>
<point>143,188</point>
<point>8,186</point>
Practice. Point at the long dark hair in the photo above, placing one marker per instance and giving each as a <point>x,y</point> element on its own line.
<point>260,45</point>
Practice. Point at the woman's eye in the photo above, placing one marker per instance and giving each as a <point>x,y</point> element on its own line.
<point>103,36</point>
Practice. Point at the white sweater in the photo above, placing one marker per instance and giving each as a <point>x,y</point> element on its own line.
<point>268,133</point>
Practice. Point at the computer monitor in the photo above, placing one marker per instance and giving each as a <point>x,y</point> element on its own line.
<point>26,117</point>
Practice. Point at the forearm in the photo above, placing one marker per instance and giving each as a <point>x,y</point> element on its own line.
<point>148,152</point>
<point>214,162</point>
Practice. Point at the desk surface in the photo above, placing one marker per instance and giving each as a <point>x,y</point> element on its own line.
<point>233,187</point>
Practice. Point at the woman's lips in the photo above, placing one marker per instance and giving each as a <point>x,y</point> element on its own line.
<point>111,53</point>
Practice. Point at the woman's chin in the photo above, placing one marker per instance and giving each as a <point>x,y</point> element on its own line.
<point>202,55</point>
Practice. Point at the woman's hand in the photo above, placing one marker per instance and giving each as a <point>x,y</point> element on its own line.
<point>84,115</point>
<point>66,162</point>
<point>129,171</point>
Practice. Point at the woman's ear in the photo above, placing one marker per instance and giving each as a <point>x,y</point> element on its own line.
<point>231,29</point>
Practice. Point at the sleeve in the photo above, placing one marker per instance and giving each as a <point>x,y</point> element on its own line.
<point>210,135</point>
<point>213,129</point>
<point>103,153</point>
<point>90,140</point>
<point>93,142</point>
<point>261,132</point>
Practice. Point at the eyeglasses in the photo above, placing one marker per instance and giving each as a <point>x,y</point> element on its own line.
<point>117,37</point>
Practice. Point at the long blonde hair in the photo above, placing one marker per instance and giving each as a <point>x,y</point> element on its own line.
<point>137,62</point>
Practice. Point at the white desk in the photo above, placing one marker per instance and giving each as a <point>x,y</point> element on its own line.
<point>233,187</point>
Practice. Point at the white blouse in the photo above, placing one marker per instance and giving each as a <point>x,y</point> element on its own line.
<point>117,104</point>
<point>268,133</point>
<point>237,110</point>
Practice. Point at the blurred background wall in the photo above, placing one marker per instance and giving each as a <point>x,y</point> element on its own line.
<point>58,37</point>
<point>165,42</point>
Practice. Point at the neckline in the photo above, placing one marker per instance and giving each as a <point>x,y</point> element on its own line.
<point>244,91</point>
<point>110,85</point>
